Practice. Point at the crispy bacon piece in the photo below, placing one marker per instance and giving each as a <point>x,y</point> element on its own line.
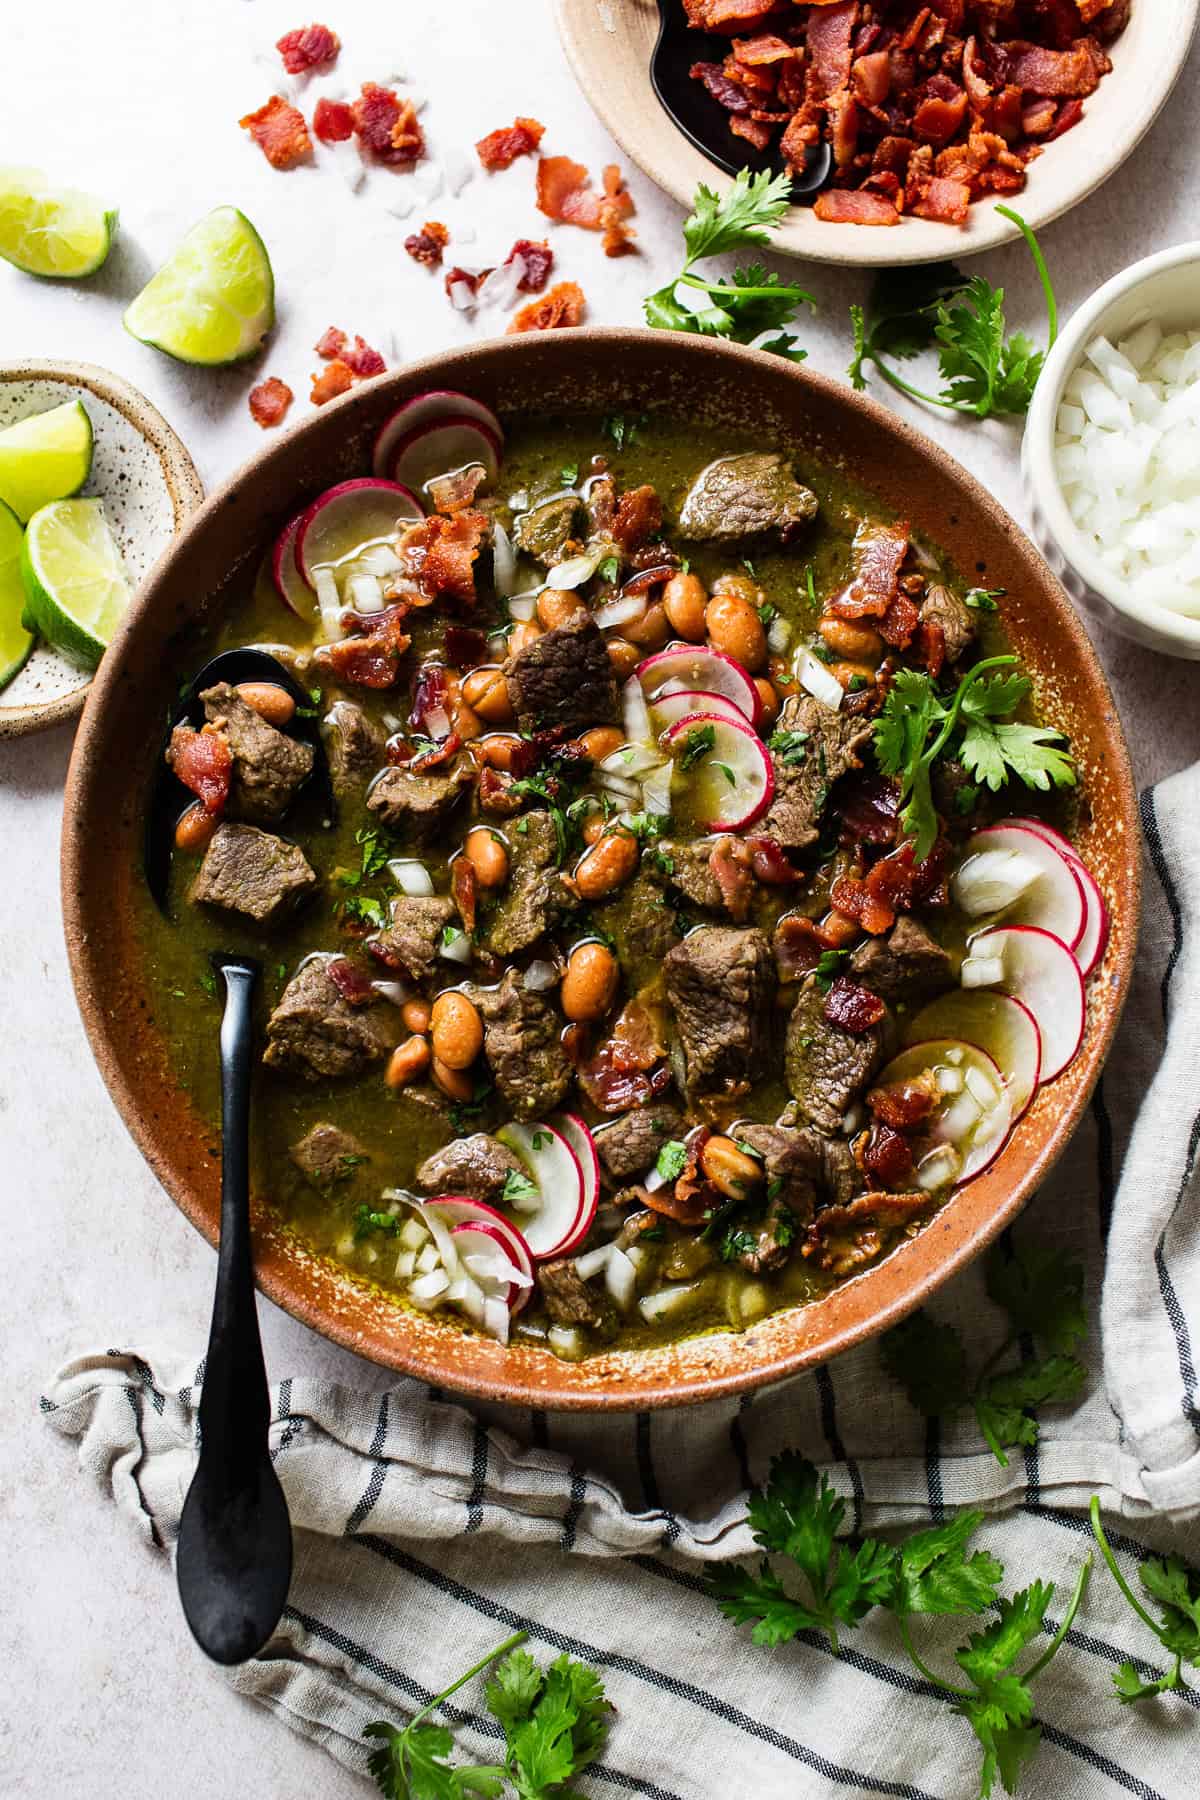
<point>465,647</point>
<point>754,131</point>
<point>269,401</point>
<point>945,200</point>
<point>764,48</point>
<point>564,192</point>
<point>500,149</point>
<point>730,862</point>
<point>853,1007</point>
<point>426,246</point>
<point>725,90</point>
<point>371,658</point>
<point>929,646</point>
<point>538,258</point>
<point>855,206</point>
<point>438,757</point>
<point>307,48</point>
<point>439,554</point>
<point>729,15</point>
<point>887,1157</point>
<point>905,1103</point>
<point>854,899</point>
<point>386,126</point>
<point>639,515</point>
<point>331,342</point>
<point>203,761</point>
<point>869,808</point>
<point>769,862</point>
<point>333,121</point>
<point>430,710</point>
<point>830,32</point>
<point>844,1238</point>
<point>334,379</point>
<point>879,552</point>
<point>351,982</point>
<point>361,360</point>
<point>898,623</point>
<point>937,119</point>
<point>464,890</point>
<point>452,493</point>
<point>1066,74</point>
<point>563,306</point>
<point>280,133</point>
<point>627,1069</point>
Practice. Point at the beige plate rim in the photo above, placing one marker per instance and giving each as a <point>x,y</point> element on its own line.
<point>184,487</point>
<point>608,45</point>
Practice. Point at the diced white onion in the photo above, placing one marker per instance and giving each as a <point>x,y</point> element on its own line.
<point>496,1319</point>
<point>620,1278</point>
<point>411,876</point>
<point>622,610</point>
<point>519,502</point>
<point>430,1286</point>
<point>637,1253</point>
<point>959,1118</point>
<point>455,945</point>
<point>412,1234</point>
<point>853,1119</point>
<point>499,288</point>
<point>379,559</point>
<point>632,760</point>
<point>982,971</point>
<point>654,1180</point>
<point>428,1259</point>
<point>405,1264</point>
<point>635,713</point>
<point>979,1085</point>
<point>329,602</point>
<point>395,992</point>
<point>540,976</point>
<point>523,606</point>
<point>567,1342</point>
<point>437,720</point>
<point>779,635</point>
<point>949,1081</point>
<point>504,560</point>
<point>627,791</point>
<point>954,1055</point>
<point>578,569</point>
<point>593,1261</point>
<point>666,1302</point>
<point>993,880</point>
<point>656,790</point>
<point>462,296</point>
<point>813,675</point>
<point>938,1168</point>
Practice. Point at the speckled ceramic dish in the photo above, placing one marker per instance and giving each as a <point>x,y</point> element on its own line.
<point>147,482</point>
<point>705,381</point>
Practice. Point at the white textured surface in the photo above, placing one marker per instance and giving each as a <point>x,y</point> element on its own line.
<point>140,100</point>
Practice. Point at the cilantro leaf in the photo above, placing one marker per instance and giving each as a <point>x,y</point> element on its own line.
<point>554,1720</point>
<point>744,214</point>
<point>934,1576</point>
<point>413,1763</point>
<point>993,753</point>
<point>367,1222</point>
<point>1001,1405</point>
<point>518,1187</point>
<point>696,745</point>
<point>930,1363</point>
<point>760,1599</point>
<point>671,1160</point>
<point>1041,1292</point>
<point>1176,1588</point>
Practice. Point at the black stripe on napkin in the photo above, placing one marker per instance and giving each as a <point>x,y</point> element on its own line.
<point>1154,844</point>
<point>374,1486</point>
<point>829,1425</point>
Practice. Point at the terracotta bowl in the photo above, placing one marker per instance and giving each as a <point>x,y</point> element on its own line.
<point>595,371</point>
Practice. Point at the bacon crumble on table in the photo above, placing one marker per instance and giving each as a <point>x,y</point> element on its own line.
<point>333,121</point>
<point>346,363</point>
<point>307,48</point>
<point>280,133</point>
<point>500,149</point>
<point>562,306</point>
<point>426,246</point>
<point>386,126</point>
<point>334,379</point>
<point>269,401</point>
<point>565,193</point>
<point>926,107</point>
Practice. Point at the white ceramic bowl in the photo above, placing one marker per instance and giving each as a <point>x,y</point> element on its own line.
<point>1165,287</point>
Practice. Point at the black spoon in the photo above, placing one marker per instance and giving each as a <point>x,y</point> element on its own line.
<point>234,1557</point>
<point>169,797</point>
<point>703,121</point>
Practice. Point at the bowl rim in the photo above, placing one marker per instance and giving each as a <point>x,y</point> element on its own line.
<point>1038,447</point>
<point>654,1383</point>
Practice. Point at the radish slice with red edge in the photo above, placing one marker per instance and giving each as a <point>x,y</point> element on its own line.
<point>698,669</point>
<point>971,1118</point>
<point>1014,876</point>
<point>345,518</point>
<point>1094,941</point>
<point>290,585</point>
<point>668,709</point>
<point>423,409</point>
<point>1003,1028</point>
<point>484,1242</point>
<point>460,1209</point>
<point>555,1172</point>
<point>441,447</point>
<point>581,1141</point>
<point>730,782</point>
<point>1040,972</point>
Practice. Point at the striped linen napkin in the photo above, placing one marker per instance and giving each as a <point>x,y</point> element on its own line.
<point>591,1535</point>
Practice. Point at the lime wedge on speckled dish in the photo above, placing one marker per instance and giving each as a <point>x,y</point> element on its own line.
<point>58,232</point>
<point>15,641</point>
<point>76,587</point>
<point>213,300</point>
<point>45,457</point>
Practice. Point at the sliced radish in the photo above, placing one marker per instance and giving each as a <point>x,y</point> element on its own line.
<point>423,409</point>
<point>343,520</point>
<point>732,782</point>
<point>1043,975</point>
<point>460,1209</point>
<point>695,668</point>
<point>290,585</point>
<point>441,447</point>
<point>577,1135</point>
<point>555,1171</point>
<point>972,1116</point>
<point>1015,875</point>
<point>1094,939</point>
<point>1002,1027</point>
<point>669,708</point>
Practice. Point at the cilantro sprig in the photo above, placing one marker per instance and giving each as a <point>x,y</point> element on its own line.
<point>797,1517</point>
<point>1042,1293</point>
<point>1176,1590</point>
<point>916,727</point>
<point>984,371</point>
<point>754,304</point>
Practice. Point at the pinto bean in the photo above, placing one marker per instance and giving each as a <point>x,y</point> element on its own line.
<point>729,1168</point>
<point>847,672</point>
<point>739,587</point>
<point>456,1029</point>
<point>609,863</point>
<point>623,656</point>
<point>594,827</point>
<point>522,635</point>
<point>601,741</point>
<point>556,606</point>
<point>408,1062</point>
<point>497,750</point>
<point>652,630</point>
<point>770,700</point>
<point>194,828</point>
<point>590,982</point>
<point>453,1082</point>
<point>485,691</point>
<point>487,856</point>
<point>854,639</point>
<point>685,599</point>
<point>415,1014</point>
<point>735,627</point>
<point>269,701</point>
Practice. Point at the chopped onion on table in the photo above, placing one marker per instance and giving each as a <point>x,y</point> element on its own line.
<point>812,675</point>
<point>411,877</point>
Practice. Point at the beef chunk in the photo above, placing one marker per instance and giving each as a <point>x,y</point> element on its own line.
<point>563,680</point>
<point>268,766</point>
<point>906,965</point>
<point>842,1239</point>
<point>721,984</point>
<point>744,496</point>
<point>522,1042</point>
<point>806,769</point>
<point>475,1165</point>
<point>941,607</point>
<point>326,1156</point>
<point>647,928</point>
<point>250,872</point>
<point>827,1067</point>
<point>809,1168</point>
<point>630,1145</point>
<point>354,746</point>
<point>316,1033</point>
<point>570,1301</point>
<point>690,870</point>
<point>772,1238</point>
<point>537,899</point>
<point>412,938</point>
<point>545,531</point>
<point>418,805</point>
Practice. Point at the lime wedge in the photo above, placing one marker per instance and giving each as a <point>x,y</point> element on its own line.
<point>76,588</point>
<point>15,641</point>
<point>213,301</point>
<point>45,457</point>
<point>58,232</point>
